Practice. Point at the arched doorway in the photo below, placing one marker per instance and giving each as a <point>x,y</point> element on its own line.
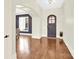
<point>51,26</point>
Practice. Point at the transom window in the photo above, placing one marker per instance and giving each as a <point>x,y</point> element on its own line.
<point>51,19</point>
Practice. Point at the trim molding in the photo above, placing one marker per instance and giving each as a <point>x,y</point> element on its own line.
<point>14,56</point>
<point>50,37</point>
<point>70,49</point>
<point>37,37</point>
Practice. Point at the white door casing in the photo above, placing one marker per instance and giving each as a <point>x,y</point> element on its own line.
<point>9,29</point>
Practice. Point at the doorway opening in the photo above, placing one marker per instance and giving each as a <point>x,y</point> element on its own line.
<point>51,26</point>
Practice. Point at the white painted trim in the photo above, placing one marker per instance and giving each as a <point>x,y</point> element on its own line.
<point>70,49</point>
<point>25,34</point>
<point>38,37</point>
<point>14,56</point>
<point>44,35</point>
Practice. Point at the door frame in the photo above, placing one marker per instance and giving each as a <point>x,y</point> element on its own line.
<point>9,18</point>
<point>55,22</point>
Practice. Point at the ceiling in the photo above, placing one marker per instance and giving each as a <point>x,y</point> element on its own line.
<point>41,4</point>
<point>37,7</point>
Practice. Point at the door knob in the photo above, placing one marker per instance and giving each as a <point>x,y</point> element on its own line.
<point>6,36</point>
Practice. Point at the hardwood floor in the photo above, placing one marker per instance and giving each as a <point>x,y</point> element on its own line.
<point>45,48</point>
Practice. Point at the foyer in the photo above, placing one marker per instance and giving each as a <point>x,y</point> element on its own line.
<point>44,29</point>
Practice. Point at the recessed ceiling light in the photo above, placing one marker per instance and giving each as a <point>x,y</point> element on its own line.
<point>19,6</point>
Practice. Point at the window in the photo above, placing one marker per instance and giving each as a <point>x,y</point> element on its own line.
<point>51,19</point>
<point>24,23</point>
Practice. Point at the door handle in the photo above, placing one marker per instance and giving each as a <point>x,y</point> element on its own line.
<point>6,36</point>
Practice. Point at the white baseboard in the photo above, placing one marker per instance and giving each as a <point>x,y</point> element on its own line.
<point>38,37</point>
<point>25,34</point>
<point>70,49</point>
<point>44,35</point>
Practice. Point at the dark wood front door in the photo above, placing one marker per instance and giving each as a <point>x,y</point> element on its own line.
<point>51,21</point>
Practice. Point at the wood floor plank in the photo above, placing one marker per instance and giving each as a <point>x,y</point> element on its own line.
<point>44,48</point>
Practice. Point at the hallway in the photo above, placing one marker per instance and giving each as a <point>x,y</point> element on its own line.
<point>45,48</point>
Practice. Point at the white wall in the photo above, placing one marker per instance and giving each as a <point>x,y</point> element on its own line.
<point>36,28</point>
<point>68,25</point>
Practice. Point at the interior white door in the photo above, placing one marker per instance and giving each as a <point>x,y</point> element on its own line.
<point>9,29</point>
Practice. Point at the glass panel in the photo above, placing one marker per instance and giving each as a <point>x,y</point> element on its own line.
<point>51,19</point>
<point>24,24</point>
<point>27,23</point>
